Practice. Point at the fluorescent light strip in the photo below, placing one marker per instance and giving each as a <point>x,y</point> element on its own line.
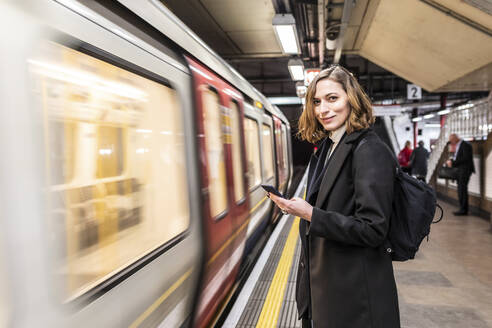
<point>444,112</point>
<point>416,119</point>
<point>285,100</point>
<point>296,72</point>
<point>429,116</point>
<point>287,36</point>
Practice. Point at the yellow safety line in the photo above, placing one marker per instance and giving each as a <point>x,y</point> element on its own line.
<point>161,299</point>
<point>273,302</point>
<point>234,235</point>
<point>175,286</point>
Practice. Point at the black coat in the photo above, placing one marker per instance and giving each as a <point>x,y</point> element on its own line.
<point>418,161</point>
<point>345,277</point>
<point>464,159</point>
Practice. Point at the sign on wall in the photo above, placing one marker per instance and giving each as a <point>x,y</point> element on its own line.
<point>414,92</point>
<point>310,74</point>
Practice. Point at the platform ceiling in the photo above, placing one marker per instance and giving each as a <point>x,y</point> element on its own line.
<point>441,45</point>
<point>420,42</point>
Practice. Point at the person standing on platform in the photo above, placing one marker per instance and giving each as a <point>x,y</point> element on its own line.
<point>404,157</point>
<point>463,160</point>
<point>345,276</point>
<point>418,161</point>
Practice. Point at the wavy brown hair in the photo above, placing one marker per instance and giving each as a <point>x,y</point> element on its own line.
<point>360,116</point>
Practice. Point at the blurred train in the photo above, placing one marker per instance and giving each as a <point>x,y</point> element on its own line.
<point>132,158</point>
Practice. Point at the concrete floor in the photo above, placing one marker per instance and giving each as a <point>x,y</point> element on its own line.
<point>449,283</point>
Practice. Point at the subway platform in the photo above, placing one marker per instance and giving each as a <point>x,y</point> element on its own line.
<point>448,284</point>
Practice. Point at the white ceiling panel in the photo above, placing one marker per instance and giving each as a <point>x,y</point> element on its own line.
<point>238,15</point>
<point>469,11</point>
<point>256,42</point>
<point>248,23</point>
<point>479,80</point>
<point>424,45</point>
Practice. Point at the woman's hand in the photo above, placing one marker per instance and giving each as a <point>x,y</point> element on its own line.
<point>295,206</point>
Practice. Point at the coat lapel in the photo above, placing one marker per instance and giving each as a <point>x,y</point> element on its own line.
<point>312,166</point>
<point>335,164</point>
<point>332,170</point>
<point>316,167</point>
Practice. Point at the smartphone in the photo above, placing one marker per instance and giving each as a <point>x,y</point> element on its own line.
<point>271,189</point>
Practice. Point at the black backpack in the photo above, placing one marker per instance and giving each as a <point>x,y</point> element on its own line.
<point>413,209</point>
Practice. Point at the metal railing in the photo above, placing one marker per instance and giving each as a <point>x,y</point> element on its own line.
<point>469,121</point>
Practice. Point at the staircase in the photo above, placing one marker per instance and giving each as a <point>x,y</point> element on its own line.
<point>469,121</point>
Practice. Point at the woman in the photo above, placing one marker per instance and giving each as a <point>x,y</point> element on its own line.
<point>345,277</point>
<point>404,157</point>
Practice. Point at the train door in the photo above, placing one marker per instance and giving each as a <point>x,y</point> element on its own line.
<point>285,155</point>
<point>268,156</point>
<point>281,160</point>
<point>260,205</point>
<point>268,152</point>
<point>288,138</point>
<point>219,120</point>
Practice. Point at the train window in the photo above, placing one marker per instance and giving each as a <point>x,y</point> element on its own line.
<point>251,132</point>
<point>284,148</point>
<point>284,154</point>
<point>116,163</point>
<point>217,184</point>
<point>237,159</point>
<point>267,152</point>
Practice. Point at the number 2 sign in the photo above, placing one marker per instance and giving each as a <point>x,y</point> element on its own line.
<point>414,91</point>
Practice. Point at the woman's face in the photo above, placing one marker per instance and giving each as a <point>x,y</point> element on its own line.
<point>331,104</point>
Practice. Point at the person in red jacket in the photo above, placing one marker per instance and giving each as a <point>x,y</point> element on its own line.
<point>404,157</point>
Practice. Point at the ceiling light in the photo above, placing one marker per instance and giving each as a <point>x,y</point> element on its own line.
<point>296,69</point>
<point>301,89</point>
<point>285,31</point>
<point>285,100</point>
<point>417,119</point>
<point>444,111</point>
<point>464,106</point>
<point>429,116</point>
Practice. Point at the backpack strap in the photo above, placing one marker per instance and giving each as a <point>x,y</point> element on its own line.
<point>364,139</point>
<point>442,213</point>
<point>361,142</point>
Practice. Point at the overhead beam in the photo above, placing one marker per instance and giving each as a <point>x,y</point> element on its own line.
<point>274,57</point>
<point>274,79</point>
<point>255,57</point>
<point>347,12</point>
<point>270,80</point>
<point>321,31</point>
<point>281,6</point>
